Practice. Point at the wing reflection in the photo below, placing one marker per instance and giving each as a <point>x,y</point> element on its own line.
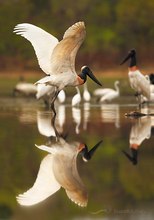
<point>57,169</point>
<point>45,184</point>
<point>140,131</point>
<point>64,167</point>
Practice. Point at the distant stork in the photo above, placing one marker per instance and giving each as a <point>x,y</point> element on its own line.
<point>25,88</point>
<point>137,80</point>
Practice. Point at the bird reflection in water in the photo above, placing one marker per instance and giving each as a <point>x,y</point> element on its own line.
<point>110,114</point>
<point>59,169</point>
<point>45,127</point>
<point>76,115</point>
<point>86,114</point>
<point>140,131</point>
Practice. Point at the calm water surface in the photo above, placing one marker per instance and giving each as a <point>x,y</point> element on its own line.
<point>117,182</point>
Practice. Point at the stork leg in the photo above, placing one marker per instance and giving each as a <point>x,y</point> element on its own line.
<point>54,126</point>
<point>139,101</point>
<point>53,100</point>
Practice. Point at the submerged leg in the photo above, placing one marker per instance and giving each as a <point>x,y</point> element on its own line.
<point>53,120</point>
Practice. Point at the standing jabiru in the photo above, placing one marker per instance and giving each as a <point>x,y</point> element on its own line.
<point>57,59</point>
<point>137,80</point>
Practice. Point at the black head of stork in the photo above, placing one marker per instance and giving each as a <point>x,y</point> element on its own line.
<point>151,77</point>
<point>87,154</point>
<point>85,71</point>
<point>132,56</point>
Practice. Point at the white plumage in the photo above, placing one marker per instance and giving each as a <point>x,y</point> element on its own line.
<point>76,98</point>
<point>100,92</point>
<point>86,93</point>
<point>42,41</point>
<point>139,83</point>
<point>110,94</point>
<point>46,92</point>
<point>61,96</point>
<point>25,88</point>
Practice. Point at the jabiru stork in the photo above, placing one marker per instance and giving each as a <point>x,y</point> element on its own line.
<point>137,80</point>
<point>57,58</point>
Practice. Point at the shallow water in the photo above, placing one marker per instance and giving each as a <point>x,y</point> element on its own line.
<point>116,183</point>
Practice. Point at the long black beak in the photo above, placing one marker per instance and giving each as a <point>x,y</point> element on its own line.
<point>126,58</point>
<point>132,158</point>
<point>91,152</point>
<point>91,75</point>
<point>88,155</point>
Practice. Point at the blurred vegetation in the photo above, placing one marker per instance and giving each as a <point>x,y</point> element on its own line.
<point>9,81</point>
<point>113,27</point>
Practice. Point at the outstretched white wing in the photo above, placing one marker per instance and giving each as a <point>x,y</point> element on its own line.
<point>42,41</point>
<point>44,186</point>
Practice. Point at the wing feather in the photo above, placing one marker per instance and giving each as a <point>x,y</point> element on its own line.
<point>64,54</point>
<point>44,186</point>
<point>42,41</point>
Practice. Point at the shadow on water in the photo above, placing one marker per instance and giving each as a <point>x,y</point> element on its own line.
<point>43,169</point>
